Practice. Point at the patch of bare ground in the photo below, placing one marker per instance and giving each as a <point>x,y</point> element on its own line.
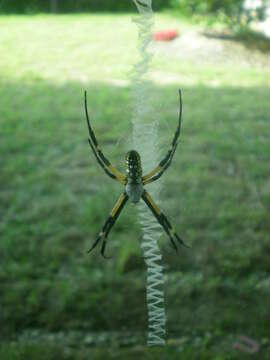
<point>212,48</point>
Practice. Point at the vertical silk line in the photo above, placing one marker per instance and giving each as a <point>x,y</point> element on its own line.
<point>146,142</point>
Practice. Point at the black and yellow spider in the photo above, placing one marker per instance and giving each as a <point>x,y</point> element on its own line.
<point>134,183</point>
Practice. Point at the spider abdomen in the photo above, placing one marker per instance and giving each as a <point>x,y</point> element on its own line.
<point>134,186</point>
<point>133,166</point>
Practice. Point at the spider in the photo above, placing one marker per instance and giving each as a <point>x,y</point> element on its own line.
<point>134,183</point>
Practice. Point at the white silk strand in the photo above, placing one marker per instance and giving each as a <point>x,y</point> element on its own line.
<point>146,142</point>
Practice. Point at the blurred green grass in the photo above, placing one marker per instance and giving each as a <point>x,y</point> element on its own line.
<point>54,198</point>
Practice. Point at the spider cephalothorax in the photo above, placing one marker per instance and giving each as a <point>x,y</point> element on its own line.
<point>134,182</point>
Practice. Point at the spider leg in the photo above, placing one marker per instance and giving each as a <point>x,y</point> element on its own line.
<point>102,160</point>
<point>109,223</point>
<point>162,169</point>
<point>163,220</point>
<point>166,161</point>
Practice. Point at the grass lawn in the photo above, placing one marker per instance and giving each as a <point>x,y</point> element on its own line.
<point>57,301</point>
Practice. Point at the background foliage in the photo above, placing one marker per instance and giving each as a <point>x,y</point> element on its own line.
<point>231,11</point>
<point>206,6</point>
<point>18,6</point>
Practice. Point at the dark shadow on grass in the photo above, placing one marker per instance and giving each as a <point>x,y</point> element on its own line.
<point>253,40</point>
<point>54,199</point>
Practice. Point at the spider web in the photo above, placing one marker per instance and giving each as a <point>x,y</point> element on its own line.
<point>146,142</point>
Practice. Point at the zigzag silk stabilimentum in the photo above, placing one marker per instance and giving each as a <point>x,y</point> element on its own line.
<point>146,142</point>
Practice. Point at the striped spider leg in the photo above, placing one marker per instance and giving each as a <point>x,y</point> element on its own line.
<point>109,223</point>
<point>166,161</point>
<point>156,174</point>
<point>109,169</point>
<point>113,173</point>
<point>162,219</point>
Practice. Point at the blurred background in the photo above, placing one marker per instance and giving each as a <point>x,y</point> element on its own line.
<point>55,299</point>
